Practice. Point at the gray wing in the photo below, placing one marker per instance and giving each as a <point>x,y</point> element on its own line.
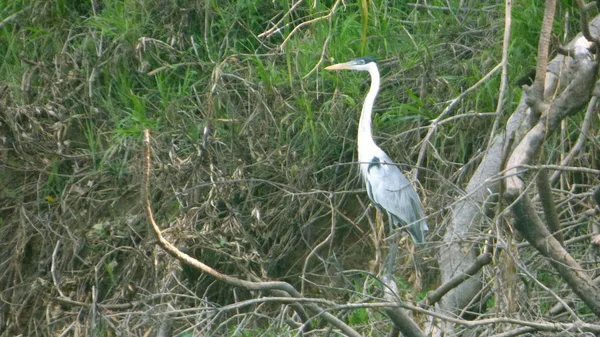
<point>389,189</point>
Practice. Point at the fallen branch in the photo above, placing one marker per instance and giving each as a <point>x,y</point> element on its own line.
<point>537,325</point>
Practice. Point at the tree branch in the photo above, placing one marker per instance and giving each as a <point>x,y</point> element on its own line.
<point>400,319</point>
<point>570,101</point>
<point>435,295</point>
<point>533,230</point>
<point>583,135</point>
<point>545,192</point>
<point>585,27</point>
<point>537,89</point>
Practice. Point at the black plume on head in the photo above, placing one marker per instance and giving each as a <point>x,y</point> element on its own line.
<point>366,59</point>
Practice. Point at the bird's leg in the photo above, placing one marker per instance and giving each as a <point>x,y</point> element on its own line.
<point>391,258</point>
<point>417,260</point>
<point>378,239</point>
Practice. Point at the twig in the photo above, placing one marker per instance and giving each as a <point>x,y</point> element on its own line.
<point>541,285</point>
<point>542,326</point>
<point>53,269</point>
<point>585,170</point>
<point>531,227</point>
<point>448,9</point>
<point>515,332</point>
<point>318,247</point>
<point>276,27</point>
<point>324,47</point>
<point>308,22</point>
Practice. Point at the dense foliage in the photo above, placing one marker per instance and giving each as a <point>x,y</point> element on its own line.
<point>254,149</point>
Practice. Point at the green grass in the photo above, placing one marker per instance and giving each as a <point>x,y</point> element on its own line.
<point>239,126</point>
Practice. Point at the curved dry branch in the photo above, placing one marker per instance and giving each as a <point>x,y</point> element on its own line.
<point>233,281</point>
<point>585,26</point>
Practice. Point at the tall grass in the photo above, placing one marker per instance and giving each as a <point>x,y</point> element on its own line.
<point>254,144</point>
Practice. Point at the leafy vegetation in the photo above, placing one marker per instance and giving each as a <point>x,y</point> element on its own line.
<point>254,149</point>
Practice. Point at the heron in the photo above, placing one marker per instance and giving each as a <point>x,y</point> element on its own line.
<point>387,187</point>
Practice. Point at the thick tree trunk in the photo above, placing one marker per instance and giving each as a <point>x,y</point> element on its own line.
<point>461,247</point>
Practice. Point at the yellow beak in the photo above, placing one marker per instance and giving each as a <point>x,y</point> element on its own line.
<point>339,66</point>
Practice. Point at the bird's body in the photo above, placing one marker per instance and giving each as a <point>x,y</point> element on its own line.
<point>386,186</point>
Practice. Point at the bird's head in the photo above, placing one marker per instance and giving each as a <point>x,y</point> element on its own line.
<point>361,64</point>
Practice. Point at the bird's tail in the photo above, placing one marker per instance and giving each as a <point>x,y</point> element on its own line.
<point>417,232</point>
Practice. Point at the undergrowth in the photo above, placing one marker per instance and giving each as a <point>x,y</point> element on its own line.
<point>254,150</point>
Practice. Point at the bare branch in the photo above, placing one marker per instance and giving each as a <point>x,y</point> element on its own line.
<point>570,101</point>
<point>275,29</point>
<point>585,26</point>
<point>504,63</point>
<point>319,246</point>
<point>537,325</point>
<point>53,269</point>
<point>567,103</point>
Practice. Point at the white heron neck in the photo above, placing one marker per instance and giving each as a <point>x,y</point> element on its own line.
<point>365,135</point>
